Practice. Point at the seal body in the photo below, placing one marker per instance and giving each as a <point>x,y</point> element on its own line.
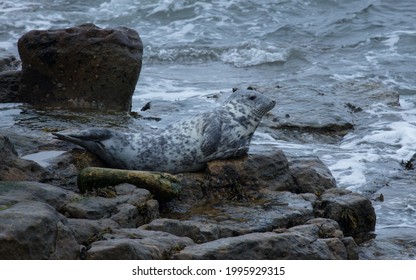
<point>185,146</point>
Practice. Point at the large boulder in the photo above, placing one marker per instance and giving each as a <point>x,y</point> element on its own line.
<point>311,175</point>
<point>80,67</point>
<point>35,230</point>
<point>354,212</point>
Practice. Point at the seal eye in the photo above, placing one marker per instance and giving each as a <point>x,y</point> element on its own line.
<point>252,97</point>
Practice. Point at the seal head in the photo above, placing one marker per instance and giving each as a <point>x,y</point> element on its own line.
<point>185,146</point>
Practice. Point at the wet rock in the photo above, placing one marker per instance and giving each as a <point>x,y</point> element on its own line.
<point>297,243</point>
<point>249,178</point>
<point>136,244</point>
<point>9,86</point>
<point>254,170</point>
<point>80,67</point>
<point>311,175</point>
<point>13,192</point>
<point>13,168</point>
<point>88,231</point>
<point>126,205</point>
<point>321,117</point>
<point>64,169</point>
<point>8,62</point>
<point>9,78</point>
<point>199,232</point>
<point>353,212</point>
<point>35,230</point>
<point>230,218</point>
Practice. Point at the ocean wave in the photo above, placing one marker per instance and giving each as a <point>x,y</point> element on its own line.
<point>243,55</point>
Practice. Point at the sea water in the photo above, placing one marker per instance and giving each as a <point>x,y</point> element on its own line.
<point>196,48</point>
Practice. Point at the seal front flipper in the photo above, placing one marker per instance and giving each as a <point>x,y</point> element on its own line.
<point>211,133</point>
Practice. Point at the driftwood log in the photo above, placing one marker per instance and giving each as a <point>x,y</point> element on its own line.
<point>163,186</point>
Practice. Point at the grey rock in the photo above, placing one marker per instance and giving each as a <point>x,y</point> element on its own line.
<point>353,212</point>
<point>35,230</point>
<point>127,206</point>
<point>136,244</point>
<point>13,192</point>
<point>254,170</point>
<point>265,245</point>
<point>199,232</point>
<point>88,231</point>
<point>273,210</point>
<point>13,168</point>
<point>311,175</point>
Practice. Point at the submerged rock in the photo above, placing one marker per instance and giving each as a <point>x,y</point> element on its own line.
<point>80,67</point>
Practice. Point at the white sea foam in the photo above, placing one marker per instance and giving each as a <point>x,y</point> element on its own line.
<point>253,53</point>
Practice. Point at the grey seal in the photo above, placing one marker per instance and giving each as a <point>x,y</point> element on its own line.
<point>184,146</point>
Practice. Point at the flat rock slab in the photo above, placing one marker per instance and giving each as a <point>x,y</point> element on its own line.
<point>136,244</point>
<point>294,244</point>
<point>13,192</point>
<point>274,210</point>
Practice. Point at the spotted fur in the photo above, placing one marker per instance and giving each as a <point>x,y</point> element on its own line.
<point>185,146</point>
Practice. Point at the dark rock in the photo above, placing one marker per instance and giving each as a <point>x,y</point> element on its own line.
<point>298,243</point>
<point>81,67</point>
<point>136,244</point>
<point>254,170</point>
<point>241,179</point>
<point>353,212</point>
<point>199,232</point>
<point>9,86</point>
<point>88,231</point>
<point>226,219</point>
<point>311,175</point>
<point>65,168</point>
<point>8,62</point>
<point>131,208</point>
<point>14,192</point>
<point>13,168</point>
<point>35,230</point>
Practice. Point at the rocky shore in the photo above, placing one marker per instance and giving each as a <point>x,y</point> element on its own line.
<point>285,209</point>
<point>266,205</point>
